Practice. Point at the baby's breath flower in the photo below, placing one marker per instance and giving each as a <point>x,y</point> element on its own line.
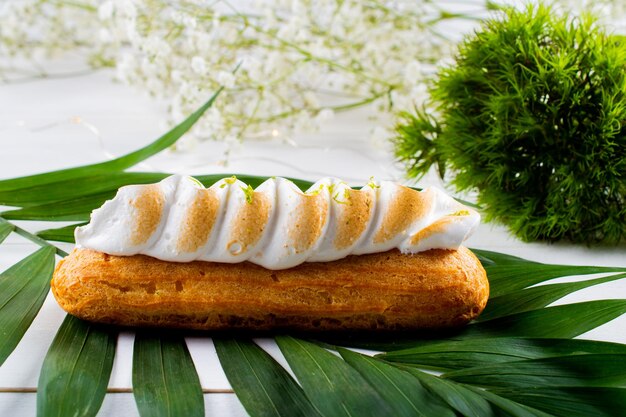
<point>105,10</point>
<point>300,61</point>
<point>227,79</point>
<point>198,65</point>
<point>127,8</point>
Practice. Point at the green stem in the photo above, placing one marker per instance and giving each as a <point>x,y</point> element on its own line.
<point>360,103</point>
<point>377,5</point>
<point>78,5</point>
<point>444,15</point>
<point>34,238</point>
<point>341,107</point>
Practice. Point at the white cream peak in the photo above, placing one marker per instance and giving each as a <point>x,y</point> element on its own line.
<point>276,225</point>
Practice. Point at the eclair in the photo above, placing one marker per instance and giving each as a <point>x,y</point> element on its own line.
<point>177,254</point>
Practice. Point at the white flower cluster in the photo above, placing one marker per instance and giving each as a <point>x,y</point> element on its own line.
<point>299,61</point>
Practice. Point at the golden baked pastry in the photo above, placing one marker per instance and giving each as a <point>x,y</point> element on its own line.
<point>382,291</point>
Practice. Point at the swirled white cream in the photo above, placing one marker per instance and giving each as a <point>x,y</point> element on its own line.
<point>276,226</point>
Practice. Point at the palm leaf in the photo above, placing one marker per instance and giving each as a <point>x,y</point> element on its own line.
<point>76,209</point>
<point>571,401</point>
<point>567,321</point>
<point>472,402</point>
<point>381,341</point>
<point>564,321</point>
<point>592,370</point>
<point>60,234</point>
<point>455,354</point>
<point>23,289</point>
<point>117,164</point>
<point>488,258</point>
<point>332,386</point>
<point>459,398</point>
<point>513,276</point>
<point>5,229</point>
<point>261,384</point>
<point>536,297</point>
<point>76,186</point>
<point>509,407</point>
<point>76,370</point>
<point>165,381</point>
<point>402,391</point>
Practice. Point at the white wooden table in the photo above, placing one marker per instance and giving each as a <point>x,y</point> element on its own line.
<point>44,125</point>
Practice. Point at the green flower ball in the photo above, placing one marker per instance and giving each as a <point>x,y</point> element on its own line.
<point>532,115</point>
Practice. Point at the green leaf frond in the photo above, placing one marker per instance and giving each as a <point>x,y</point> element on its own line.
<point>76,371</point>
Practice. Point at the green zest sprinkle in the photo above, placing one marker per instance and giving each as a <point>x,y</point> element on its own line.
<point>316,191</point>
<point>461,213</point>
<point>229,181</point>
<point>346,194</point>
<point>372,184</point>
<point>346,197</point>
<point>249,192</point>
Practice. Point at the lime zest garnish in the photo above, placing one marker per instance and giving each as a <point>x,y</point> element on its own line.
<point>346,197</point>
<point>228,181</point>
<point>372,184</point>
<point>316,191</point>
<point>249,192</point>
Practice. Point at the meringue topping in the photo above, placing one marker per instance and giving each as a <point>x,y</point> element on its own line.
<point>277,225</point>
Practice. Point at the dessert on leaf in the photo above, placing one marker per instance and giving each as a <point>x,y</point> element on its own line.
<point>177,254</point>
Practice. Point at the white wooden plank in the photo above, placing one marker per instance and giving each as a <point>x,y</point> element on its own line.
<point>119,404</point>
